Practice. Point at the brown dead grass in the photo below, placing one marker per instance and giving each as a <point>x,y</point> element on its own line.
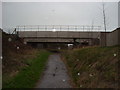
<point>14,59</point>
<point>98,61</point>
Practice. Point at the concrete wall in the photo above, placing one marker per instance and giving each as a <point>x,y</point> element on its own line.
<point>112,38</point>
<point>118,36</point>
<point>103,38</point>
<point>0,59</point>
<point>62,34</point>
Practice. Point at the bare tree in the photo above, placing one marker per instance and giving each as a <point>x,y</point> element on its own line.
<point>104,18</point>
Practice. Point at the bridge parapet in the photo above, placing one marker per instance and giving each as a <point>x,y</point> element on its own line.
<point>58,34</point>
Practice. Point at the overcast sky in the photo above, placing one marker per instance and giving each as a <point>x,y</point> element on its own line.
<point>0,14</point>
<point>58,13</point>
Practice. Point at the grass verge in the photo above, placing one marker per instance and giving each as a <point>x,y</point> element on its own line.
<point>93,67</point>
<point>30,74</point>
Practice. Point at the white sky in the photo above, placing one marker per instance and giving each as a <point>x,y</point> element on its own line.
<point>0,14</point>
<point>59,0</point>
<point>119,14</point>
<point>64,13</point>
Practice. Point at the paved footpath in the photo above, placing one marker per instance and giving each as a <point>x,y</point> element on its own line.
<point>55,75</point>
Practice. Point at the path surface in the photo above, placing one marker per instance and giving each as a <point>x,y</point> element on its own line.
<point>55,75</point>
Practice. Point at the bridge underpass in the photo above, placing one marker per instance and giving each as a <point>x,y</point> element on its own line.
<point>59,42</point>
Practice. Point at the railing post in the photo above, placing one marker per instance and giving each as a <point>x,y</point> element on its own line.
<point>68,31</point>
<point>38,27</point>
<point>60,27</point>
<point>76,28</point>
<point>45,28</point>
<point>18,28</point>
<point>24,28</point>
<point>83,28</point>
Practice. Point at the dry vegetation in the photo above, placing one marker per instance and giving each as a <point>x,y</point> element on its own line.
<point>93,67</point>
<point>13,59</point>
<point>20,64</point>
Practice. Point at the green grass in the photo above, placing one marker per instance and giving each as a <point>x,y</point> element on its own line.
<point>29,75</point>
<point>99,61</point>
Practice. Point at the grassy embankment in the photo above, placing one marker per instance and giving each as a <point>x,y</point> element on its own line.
<point>27,75</point>
<point>93,67</point>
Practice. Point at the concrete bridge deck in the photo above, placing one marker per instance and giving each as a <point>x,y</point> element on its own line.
<point>58,34</point>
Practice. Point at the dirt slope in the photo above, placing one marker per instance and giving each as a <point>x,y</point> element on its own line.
<point>94,67</point>
<point>14,54</point>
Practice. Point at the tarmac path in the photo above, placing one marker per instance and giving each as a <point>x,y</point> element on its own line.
<point>55,75</point>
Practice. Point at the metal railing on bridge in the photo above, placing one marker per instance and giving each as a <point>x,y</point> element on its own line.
<point>58,28</point>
